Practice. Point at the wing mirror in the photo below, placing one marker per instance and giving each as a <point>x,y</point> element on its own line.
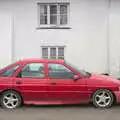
<point>76,77</point>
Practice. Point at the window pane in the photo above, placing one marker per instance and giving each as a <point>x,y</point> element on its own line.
<point>45,53</point>
<point>53,14</point>
<point>53,53</point>
<point>58,71</point>
<point>61,53</point>
<point>63,14</point>
<point>43,14</point>
<point>33,70</point>
<point>10,71</point>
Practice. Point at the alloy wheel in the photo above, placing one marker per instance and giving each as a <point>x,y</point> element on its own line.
<point>103,98</point>
<point>10,100</point>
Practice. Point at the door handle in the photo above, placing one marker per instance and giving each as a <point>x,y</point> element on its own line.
<point>18,82</point>
<point>53,83</point>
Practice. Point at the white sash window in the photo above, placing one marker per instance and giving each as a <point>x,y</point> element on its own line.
<point>53,14</point>
<point>53,52</point>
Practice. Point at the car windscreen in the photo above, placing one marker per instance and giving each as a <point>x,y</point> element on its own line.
<point>81,71</point>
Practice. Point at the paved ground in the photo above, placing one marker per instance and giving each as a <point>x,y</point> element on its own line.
<point>75,112</point>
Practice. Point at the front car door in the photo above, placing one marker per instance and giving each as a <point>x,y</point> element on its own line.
<point>31,82</point>
<point>62,88</point>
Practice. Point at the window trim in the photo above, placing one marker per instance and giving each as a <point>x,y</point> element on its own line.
<point>50,26</point>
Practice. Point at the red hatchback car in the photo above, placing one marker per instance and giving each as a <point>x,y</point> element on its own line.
<point>38,81</point>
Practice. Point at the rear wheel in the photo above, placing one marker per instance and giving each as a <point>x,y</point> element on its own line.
<point>10,99</point>
<point>103,98</point>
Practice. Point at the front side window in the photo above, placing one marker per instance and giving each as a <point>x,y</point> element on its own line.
<point>9,72</point>
<point>59,71</point>
<point>33,70</point>
<point>53,14</point>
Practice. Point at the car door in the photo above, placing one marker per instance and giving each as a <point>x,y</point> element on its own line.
<point>31,82</point>
<point>62,87</point>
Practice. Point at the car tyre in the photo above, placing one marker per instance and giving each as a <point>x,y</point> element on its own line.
<point>103,98</point>
<point>10,99</point>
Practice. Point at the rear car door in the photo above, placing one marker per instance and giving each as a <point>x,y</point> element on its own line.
<point>62,87</point>
<point>31,82</point>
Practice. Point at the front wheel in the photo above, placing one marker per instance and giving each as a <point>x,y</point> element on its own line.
<point>103,98</point>
<point>10,99</point>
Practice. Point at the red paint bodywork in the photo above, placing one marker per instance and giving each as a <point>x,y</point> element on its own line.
<point>41,91</point>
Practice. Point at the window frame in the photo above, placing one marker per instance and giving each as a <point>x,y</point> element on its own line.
<point>20,70</point>
<point>60,78</point>
<point>53,26</point>
<point>49,47</point>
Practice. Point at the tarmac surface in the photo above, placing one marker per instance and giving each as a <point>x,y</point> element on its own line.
<point>71,112</point>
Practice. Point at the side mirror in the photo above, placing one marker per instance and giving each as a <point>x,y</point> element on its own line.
<point>76,77</point>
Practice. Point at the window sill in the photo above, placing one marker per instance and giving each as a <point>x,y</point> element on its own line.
<point>53,28</point>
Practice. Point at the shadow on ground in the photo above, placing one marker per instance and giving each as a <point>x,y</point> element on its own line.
<point>84,106</point>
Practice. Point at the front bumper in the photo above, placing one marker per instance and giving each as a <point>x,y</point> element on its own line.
<point>117,94</point>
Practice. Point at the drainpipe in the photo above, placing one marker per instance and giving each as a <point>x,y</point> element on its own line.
<point>108,36</point>
<point>12,39</point>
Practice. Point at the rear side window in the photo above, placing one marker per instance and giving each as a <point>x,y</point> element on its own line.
<point>33,70</point>
<point>9,72</point>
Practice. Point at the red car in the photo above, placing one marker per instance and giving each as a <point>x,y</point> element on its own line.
<point>38,81</point>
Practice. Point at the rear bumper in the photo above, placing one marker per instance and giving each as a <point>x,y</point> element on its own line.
<point>117,94</point>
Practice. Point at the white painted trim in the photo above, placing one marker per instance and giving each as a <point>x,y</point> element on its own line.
<point>52,1</point>
<point>68,8</point>
<point>64,52</point>
<point>38,15</point>
<point>40,52</point>
<point>56,52</point>
<point>48,15</point>
<point>58,15</point>
<point>48,52</point>
<point>43,46</point>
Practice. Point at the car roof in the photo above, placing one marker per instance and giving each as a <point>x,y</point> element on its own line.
<point>40,60</point>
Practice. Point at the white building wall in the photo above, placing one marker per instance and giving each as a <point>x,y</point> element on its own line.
<point>85,42</point>
<point>89,30</point>
<point>5,39</point>
<point>114,22</point>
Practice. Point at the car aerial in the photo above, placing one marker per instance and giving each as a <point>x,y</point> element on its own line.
<point>52,82</point>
